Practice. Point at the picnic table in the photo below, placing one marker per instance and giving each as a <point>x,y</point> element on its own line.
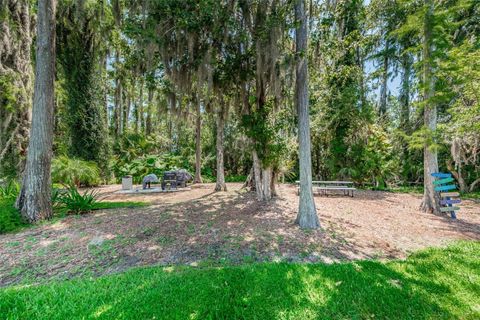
<point>322,187</point>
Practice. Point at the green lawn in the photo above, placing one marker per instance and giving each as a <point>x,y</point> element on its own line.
<point>118,205</point>
<point>432,284</point>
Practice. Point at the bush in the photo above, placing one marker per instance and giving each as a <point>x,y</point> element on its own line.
<point>235,178</point>
<point>10,218</point>
<point>156,164</point>
<point>10,190</point>
<point>72,202</point>
<point>67,171</point>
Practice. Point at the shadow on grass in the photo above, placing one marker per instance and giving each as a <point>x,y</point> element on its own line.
<point>426,286</point>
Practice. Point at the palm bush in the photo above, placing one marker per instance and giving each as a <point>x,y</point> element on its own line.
<point>73,202</point>
<point>10,218</point>
<point>10,190</point>
<point>68,171</point>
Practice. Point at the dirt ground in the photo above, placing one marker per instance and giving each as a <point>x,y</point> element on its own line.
<point>199,227</point>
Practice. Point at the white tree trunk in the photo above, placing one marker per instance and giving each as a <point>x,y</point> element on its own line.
<point>34,200</point>
<point>430,201</point>
<point>263,179</point>
<point>257,172</point>
<point>198,146</point>
<point>307,213</point>
<point>220,185</point>
<point>267,184</point>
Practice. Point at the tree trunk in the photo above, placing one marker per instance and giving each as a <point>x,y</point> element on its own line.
<point>404,98</point>
<point>148,125</point>
<point>141,116</point>
<point>34,200</point>
<point>257,174</point>
<point>382,110</point>
<point>220,185</point>
<point>430,201</point>
<point>457,174</point>
<point>307,213</point>
<point>117,113</point>
<point>126,110</point>
<point>263,177</point>
<point>198,146</point>
<point>16,65</point>
<point>105,91</point>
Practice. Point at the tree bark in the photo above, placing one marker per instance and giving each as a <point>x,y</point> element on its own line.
<point>16,65</point>
<point>34,200</point>
<point>406,61</point>
<point>307,214</point>
<point>117,113</point>
<point>220,183</point>
<point>430,202</point>
<point>263,177</point>
<point>257,174</point>
<point>141,115</point>
<point>198,146</point>
<point>127,106</point>
<point>148,124</point>
<point>382,110</point>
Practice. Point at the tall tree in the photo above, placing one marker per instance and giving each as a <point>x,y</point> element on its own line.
<point>220,181</point>
<point>198,143</point>
<point>307,213</point>
<point>34,200</point>
<point>16,75</point>
<point>79,52</point>
<point>430,201</point>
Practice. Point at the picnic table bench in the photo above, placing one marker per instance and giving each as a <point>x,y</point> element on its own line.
<point>322,187</point>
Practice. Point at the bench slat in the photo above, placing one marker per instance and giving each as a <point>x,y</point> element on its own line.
<point>451,201</point>
<point>449,194</point>
<point>334,188</point>
<point>445,188</point>
<point>442,181</point>
<point>448,209</point>
<point>441,175</point>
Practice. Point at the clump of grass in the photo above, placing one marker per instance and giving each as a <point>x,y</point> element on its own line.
<point>119,205</point>
<point>431,284</point>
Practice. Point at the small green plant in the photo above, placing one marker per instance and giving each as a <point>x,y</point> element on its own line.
<point>10,218</point>
<point>235,178</point>
<point>76,172</point>
<point>10,190</point>
<point>72,202</point>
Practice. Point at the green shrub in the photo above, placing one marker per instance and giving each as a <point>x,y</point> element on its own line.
<point>71,201</point>
<point>10,218</point>
<point>67,171</point>
<point>10,190</point>
<point>144,165</point>
<point>235,178</point>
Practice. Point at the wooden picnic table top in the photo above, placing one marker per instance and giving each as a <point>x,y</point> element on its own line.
<point>330,182</point>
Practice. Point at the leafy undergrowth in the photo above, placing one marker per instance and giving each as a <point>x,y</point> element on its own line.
<point>10,219</point>
<point>431,284</point>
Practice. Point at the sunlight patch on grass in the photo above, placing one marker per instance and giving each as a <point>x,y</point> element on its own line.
<point>431,284</point>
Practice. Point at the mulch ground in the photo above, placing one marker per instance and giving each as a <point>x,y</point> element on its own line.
<point>202,228</point>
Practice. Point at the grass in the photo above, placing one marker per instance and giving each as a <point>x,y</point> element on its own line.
<point>472,195</point>
<point>419,190</point>
<point>119,205</point>
<point>431,284</point>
